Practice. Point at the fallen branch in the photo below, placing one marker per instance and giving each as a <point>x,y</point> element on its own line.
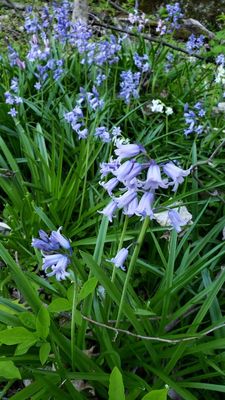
<point>153,338</point>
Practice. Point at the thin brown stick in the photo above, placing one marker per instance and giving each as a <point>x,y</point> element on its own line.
<point>152,338</point>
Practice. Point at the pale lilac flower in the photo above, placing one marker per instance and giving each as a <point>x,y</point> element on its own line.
<point>110,167</point>
<point>56,236</point>
<point>45,243</point>
<point>120,258</point>
<point>13,112</point>
<point>131,208</point>
<point>37,85</point>
<point>141,62</point>
<point>110,185</point>
<point>220,59</point>
<point>58,264</point>
<point>129,85</point>
<point>123,200</point>
<point>144,208</point>
<point>123,170</point>
<point>176,174</point>
<point>128,150</point>
<point>103,134</point>
<point>154,180</point>
<point>9,98</point>
<point>175,220</point>
<point>109,210</point>
<point>14,85</point>
<point>195,44</point>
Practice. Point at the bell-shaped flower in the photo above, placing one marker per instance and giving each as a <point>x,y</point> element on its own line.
<point>120,258</point>
<point>154,180</point>
<point>58,264</point>
<point>125,199</point>
<point>144,208</point>
<point>58,237</point>
<point>110,185</point>
<point>175,173</point>
<point>131,208</point>
<point>128,150</point>
<point>109,210</point>
<point>175,220</point>
<point>45,243</point>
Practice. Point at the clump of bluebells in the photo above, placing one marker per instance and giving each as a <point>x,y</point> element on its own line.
<point>56,251</point>
<point>172,20</point>
<point>194,118</point>
<point>195,44</point>
<point>139,180</point>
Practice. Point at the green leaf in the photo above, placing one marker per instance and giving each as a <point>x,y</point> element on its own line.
<point>43,322</point>
<point>116,387</point>
<point>156,395</point>
<point>88,288</point>
<point>27,319</point>
<point>59,305</point>
<point>44,352</point>
<point>78,317</point>
<point>16,335</point>
<point>8,370</point>
<point>23,348</point>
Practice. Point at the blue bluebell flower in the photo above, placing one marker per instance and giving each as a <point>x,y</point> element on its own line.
<point>176,174</point>
<point>120,258</point>
<point>129,82</point>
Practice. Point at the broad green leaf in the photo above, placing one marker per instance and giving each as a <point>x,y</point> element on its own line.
<point>44,352</point>
<point>88,288</point>
<point>23,347</point>
<point>78,317</point>
<point>116,387</point>
<point>8,370</point>
<point>59,305</point>
<point>16,335</point>
<point>43,322</point>
<point>156,395</point>
<point>27,319</point>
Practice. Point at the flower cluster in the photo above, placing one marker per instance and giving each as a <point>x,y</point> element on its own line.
<point>195,44</point>
<point>56,251</point>
<point>12,98</point>
<point>220,75</point>
<point>174,16</point>
<point>141,62</point>
<point>194,118</point>
<point>129,85</point>
<point>158,106</point>
<point>172,20</point>
<point>138,182</point>
<point>138,20</point>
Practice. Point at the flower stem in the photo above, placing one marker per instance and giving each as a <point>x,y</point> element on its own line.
<point>120,245</point>
<point>74,305</point>
<point>131,266</point>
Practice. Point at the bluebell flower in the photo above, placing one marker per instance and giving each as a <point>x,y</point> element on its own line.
<point>45,243</point>
<point>144,208</point>
<point>175,220</point>
<point>193,118</point>
<point>58,264</point>
<point>9,98</point>
<point>13,112</point>
<point>195,44</point>
<point>128,150</point>
<point>103,134</point>
<point>123,200</point>
<point>120,258</point>
<point>176,174</point>
<point>110,167</point>
<point>129,83</point>
<point>174,16</point>
<point>109,210</point>
<point>14,85</point>
<point>141,62</point>
<point>110,185</point>
<point>154,180</point>
<point>220,60</point>
<point>52,257</point>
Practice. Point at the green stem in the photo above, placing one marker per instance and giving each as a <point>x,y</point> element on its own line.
<point>85,180</point>
<point>74,305</point>
<point>131,267</point>
<point>120,245</point>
